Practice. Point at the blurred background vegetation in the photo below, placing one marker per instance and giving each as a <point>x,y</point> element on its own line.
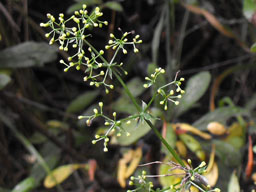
<point>210,42</point>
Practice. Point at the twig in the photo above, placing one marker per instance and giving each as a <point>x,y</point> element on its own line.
<point>9,17</point>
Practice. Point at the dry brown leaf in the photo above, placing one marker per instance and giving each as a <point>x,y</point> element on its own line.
<point>213,175</point>
<point>181,148</point>
<point>211,161</point>
<point>189,128</point>
<point>216,128</point>
<point>137,154</point>
<point>121,173</point>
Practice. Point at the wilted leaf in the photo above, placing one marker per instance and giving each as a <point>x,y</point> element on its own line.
<point>193,145</point>
<point>181,148</point>
<point>213,175</point>
<point>136,157</point>
<point>27,54</point>
<point>233,185</point>
<point>4,80</point>
<point>26,185</point>
<point>216,128</point>
<point>122,167</point>
<point>188,128</point>
<point>131,157</point>
<point>82,101</point>
<point>115,6</point>
<point>195,89</point>
<point>60,174</point>
<point>221,114</point>
<point>249,166</point>
<point>211,159</point>
<point>79,5</point>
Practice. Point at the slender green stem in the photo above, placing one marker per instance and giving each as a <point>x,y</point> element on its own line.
<point>127,91</point>
<point>172,151</point>
<point>151,101</point>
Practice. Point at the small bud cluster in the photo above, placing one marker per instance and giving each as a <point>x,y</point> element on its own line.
<point>116,43</point>
<point>152,79</point>
<point>141,183</point>
<point>171,95</point>
<point>113,124</point>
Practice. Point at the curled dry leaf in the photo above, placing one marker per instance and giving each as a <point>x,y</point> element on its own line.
<point>216,128</point>
<point>188,128</point>
<point>212,175</point>
<point>211,160</point>
<point>124,170</point>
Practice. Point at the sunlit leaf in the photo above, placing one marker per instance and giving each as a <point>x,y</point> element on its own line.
<point>115,6</point>
<point>193,145</point>
<point>249,7</point>
<point>216,128</point>
<point>236,135</point>
<point>233,185</point>
<point>253,48</point>
<point>26,185</point>
<point>27,54</point>
<point>60,174</point>
<point>4,80</point>
<point>82,101</point>
<point>195,89</point>
<point>213,175</point>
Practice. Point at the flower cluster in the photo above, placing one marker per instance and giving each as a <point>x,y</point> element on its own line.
<point>116,43</point>
<point>141,183</point>
<point>167,94</point>
<point>73,33</point>
<point>114,125</point>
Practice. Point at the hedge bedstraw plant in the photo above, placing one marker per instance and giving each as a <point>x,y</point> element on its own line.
<point>97,70</point>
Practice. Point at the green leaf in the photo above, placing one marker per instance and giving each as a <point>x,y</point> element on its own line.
<point>4,80</point>
<point>124,104</point>
<point>82,101</point>
<point>221,115</point>
<point>115,6</point>
<point>253,48</point>
<point>26,185</point>
<point>136,131</point>
<point>79,5</point>
<point>193,145</point>
<point>249,7</point>
<point>157,37</point>
<point>227,153</point>
<point>27,54</point>
<point>195,89</point>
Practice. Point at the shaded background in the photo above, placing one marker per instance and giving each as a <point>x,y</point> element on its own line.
<point>39,103</point>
